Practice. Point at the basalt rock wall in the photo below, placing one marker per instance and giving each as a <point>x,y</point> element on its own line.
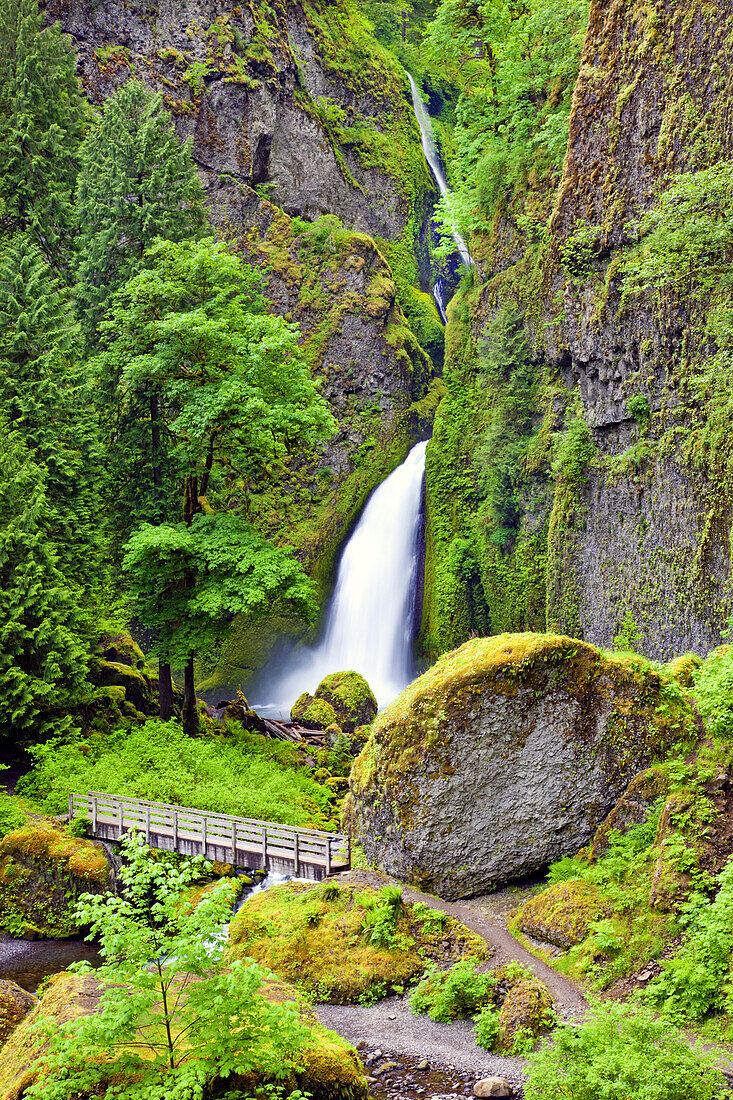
<point>637,543</point>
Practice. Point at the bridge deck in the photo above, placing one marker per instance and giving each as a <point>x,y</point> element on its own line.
<point>240,841</point>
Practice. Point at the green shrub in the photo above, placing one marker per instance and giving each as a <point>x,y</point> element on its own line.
<point>240,773</point>
<point>447,995</point>
<point>714,691</point>
<point>696,979</point>
<point>381,919</point>
<point>622,1052</point>
<point>487,1026</point>
<point>11,816</point>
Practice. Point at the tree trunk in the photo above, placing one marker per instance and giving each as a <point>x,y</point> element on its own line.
<point>165,691</point>
<point>190,714</point>
<point>155,442</point>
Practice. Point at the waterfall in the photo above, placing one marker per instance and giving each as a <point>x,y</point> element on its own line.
<point>370,619</point>
<point>431,156</point>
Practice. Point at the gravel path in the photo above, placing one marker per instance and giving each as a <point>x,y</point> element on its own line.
<point>390,1026</point>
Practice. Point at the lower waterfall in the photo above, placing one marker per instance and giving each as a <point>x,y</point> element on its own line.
<point>370,619</point>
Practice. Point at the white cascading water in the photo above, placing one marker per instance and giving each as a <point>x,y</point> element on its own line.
<point>369,623</point>
<point>430,150</point>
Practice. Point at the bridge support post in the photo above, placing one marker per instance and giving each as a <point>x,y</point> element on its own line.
<point>264,849</point>
<point>147,824</point>
<point>234,844</point>
<point>71,807</point>
<point>120,821</point>
<point>94,816</point>
<point>296,854</point>
<point>328,855</point>
<point>175,830</point>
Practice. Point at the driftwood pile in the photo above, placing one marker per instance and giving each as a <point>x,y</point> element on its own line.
<point>240,711</point>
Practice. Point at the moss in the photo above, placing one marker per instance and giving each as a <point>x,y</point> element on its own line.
<point>527,1008</point>
<point>683,669</point>
<point>351,698</point>
<point>43,871</point>
<point>564,913</point>
<point>15,1004</point>
<point>138,685</point>
<point>313,937</point>
<point>313,713</point>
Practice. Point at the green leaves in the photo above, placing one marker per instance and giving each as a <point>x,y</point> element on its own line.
<point>190,580</point>
<point>176,1015</point>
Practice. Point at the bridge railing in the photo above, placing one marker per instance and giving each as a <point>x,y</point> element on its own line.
<point>242,842</point>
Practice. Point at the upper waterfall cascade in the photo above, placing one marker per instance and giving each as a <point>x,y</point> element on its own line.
<point>369,622</point>
<point>431,156</point>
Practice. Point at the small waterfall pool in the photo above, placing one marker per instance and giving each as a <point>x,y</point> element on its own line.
<point>369,621</point>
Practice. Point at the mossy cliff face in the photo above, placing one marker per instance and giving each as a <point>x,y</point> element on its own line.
<point>589,515</point>
<point>506,755</point>
<point>299,99</point>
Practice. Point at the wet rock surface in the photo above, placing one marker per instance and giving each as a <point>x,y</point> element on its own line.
<point>393,1075</point>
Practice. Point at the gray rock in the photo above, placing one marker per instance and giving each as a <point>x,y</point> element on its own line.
<point>503,757</point>
<point>492,1086</point>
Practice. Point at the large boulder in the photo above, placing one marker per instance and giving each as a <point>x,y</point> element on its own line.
<point>15,1004</point>
<point>505,756</point>
<point>43,872</point>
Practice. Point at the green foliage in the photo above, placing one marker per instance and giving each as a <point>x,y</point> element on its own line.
<point>240,774</point>
<point>629,636</point>
<point>487,1026</point>
<point>449,994</point>
<point>381,920</point>
<point>175,1016</point>
<point>11,815</point>
<point>42,647</point>
<point>714,692</point>
<point>696,979</point>
<point>42,119</point>
<point>516,65</point>
<point>136,183</point>
<point>188,581</point>
<point>574,450</point>
<point>46,393</point>
<point>622,1052</point>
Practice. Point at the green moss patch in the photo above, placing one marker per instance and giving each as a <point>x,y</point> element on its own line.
<point>323,939</point>
<point>563,915</point>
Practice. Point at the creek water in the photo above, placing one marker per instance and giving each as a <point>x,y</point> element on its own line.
<point>370,620</point>
<point>430,150</point>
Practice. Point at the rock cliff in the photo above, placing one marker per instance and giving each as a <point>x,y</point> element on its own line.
<point>303,133</point>
<point>608,508</point>
<point>505,756</point>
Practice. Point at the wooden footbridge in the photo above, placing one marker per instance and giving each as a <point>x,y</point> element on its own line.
<point>240,841</point>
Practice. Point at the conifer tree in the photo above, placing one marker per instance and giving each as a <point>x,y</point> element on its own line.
<point>137,182</point>
<point>42,120</point>
<point>46,395</point>
<point>42,651</point>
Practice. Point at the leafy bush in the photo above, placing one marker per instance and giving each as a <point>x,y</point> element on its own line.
<point>696,978</point>
<point>241,774</point>
<point>381,919</point>
<point>447,995</point>
<point>487,1027</point>
<point>11,816</point>
<point>714,691</point>
<point>622,1052</point>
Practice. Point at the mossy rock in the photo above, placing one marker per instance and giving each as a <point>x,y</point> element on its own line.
<point>122,649</point>
<point>505,756</point>
<point>633,808</point>
<point>684,668</point>
<point>527,1007</point>
<point>43,872</point>
<point>563,914</point>
<point>312,713</point>
<point>138,686</point>
<point>351,697</point>
<point>15,1004</point>
<point>313,936</point>
<point>684,839</point>
<point>66,997</point>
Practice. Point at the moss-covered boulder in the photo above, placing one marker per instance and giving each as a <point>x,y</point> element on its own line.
<point>505,756</point>
<point>563,913</point>
<point>43,872</point>
<point>312,713</point>
<point>122,649</point>
<point>15,1004</point>
<point>351,697</point>
<point>323,939</point>
<point>633,808</point>
<point>139,688</point>
<point>527,1008</point>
